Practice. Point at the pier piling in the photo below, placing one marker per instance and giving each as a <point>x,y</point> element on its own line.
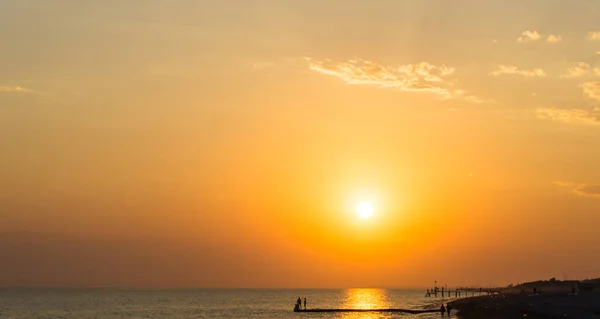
<point>459,291</point>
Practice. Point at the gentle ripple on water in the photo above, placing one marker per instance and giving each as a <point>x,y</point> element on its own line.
<point>206,303</point>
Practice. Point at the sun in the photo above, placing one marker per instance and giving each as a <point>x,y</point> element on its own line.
<point>365,209</point>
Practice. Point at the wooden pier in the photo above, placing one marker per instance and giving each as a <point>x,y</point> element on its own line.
<point>461,292</point>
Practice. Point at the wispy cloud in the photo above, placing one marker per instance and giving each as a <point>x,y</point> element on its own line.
<point>534,36</point>
<point>529,36</point>
<point>578,70</point>
<point>14,89</point>
<point>592,89</point>
<point>511,69</point>
<point>552,38</point>
<point>588,190</point>
<point>421,77</point>
<point>479,100</point>
<point>564,184</point>
<point>473,98</point>
<point>571,116</point>
<point>593,35</point>
<point>581,189</point>
<point>259,66</point>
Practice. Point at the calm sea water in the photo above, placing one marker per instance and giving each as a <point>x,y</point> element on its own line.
<point>205,303</point>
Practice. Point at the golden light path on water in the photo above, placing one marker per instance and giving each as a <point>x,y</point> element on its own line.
<point>365,298</point>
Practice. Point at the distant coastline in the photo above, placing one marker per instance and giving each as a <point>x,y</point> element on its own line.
<point>539,299</point>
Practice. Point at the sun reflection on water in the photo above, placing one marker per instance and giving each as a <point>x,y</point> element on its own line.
<point>366,298</point>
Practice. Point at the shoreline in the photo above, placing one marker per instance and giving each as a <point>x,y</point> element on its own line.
<point>510,305</point>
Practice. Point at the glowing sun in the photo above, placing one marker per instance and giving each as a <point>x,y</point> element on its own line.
<point>365,209</point>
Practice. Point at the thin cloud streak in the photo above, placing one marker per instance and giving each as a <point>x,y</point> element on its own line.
<point>474,98</point>
<point>570,116</point>
<point>588,190</point>
<point>581,189</point>
<point>511,69</point>
<point>478,100</point>
<point>14,89</point>
<point>259,66</point>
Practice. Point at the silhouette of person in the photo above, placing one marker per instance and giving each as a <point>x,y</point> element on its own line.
<point>304,302</point>
<point>299,302</point>
<point>448,309</point>
<point>443,309</point>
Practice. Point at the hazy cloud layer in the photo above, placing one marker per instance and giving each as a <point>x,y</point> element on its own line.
<point>591,89</point>
<point>511,69</point>
<point>571,116</point>
<point>10,89</point>
<point>581,189</point>
<point>529,36</point>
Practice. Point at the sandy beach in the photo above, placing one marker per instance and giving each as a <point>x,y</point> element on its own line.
<point>563,305</point>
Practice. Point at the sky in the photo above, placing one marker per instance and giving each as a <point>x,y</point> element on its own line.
<point>205,143</point>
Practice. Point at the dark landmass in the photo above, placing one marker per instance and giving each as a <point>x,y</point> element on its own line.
<point>554,299</point>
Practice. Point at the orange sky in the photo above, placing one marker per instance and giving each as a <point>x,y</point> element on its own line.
<point>205,144</point>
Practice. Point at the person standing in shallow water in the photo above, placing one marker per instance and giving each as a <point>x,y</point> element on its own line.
<point>443,309</point>
<point>304,303</point>
<point>448,309</point>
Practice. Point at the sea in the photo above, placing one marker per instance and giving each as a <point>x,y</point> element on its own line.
<point>55,303</point>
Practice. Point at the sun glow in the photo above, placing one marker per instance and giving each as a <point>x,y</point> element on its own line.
<point>365,209</point>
